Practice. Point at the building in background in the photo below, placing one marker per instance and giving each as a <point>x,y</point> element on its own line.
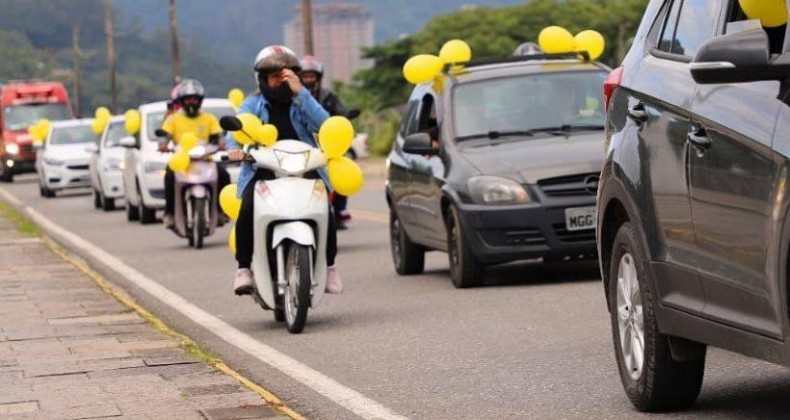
<point>340,30</point>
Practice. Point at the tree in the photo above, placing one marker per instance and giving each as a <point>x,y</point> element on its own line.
<point>19,59</point>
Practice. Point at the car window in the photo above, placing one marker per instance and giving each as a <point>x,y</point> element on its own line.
<point>658,24</point>
<point>696,25</point>
<point>19,117</point>
<point>427,118</point>
<point>665,44</point>
<point>409,122</point>
<point>528,102</point>
<point>115,132</point>
<point>153,121</point>
<point>72,135</point>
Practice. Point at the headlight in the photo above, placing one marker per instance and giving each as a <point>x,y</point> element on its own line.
<point>197,152</point>
<point>114,165</point>
<point>53,161</point>
<point>12,148</point>
<point>495,190</point>
<point>151,167</point>
<point>292,162</point>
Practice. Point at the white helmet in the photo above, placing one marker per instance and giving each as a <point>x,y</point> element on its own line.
<point>275,58</point>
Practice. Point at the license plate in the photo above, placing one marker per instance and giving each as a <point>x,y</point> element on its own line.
<point>580,218</point>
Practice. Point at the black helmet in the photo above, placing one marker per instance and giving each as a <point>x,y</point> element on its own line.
<point>275,58</point>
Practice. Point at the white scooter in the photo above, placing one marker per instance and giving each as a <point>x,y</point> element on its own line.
<point>291,222</point>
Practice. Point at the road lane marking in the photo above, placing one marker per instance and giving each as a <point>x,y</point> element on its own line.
<point>344,396</point>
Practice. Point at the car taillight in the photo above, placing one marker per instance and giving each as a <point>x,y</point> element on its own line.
<point>611,83</point>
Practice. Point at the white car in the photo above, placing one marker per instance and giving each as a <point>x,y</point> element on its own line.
<point>106,165</point>
<point>144,170</point>
<point>62,161</point>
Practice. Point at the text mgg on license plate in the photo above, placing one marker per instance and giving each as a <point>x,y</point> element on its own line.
<point>580,218</point>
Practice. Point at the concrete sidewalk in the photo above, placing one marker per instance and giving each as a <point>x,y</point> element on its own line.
<point>68,350</point>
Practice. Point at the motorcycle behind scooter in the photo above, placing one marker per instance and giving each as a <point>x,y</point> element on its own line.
<point>291,220</point>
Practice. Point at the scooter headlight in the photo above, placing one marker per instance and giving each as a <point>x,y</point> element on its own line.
<point>197,152</point>
<point>292,162</point>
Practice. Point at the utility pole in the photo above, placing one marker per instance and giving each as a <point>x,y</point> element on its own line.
<point>75,54</point>
<point>174,42</point>
<point>307,27</point>
<point>108,36</point>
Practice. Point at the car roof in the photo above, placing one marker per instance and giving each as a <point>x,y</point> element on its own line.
<point>162,105</point>
<point>72,123</point>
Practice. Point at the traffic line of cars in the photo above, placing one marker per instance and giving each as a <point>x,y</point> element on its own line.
<point>113,165</point>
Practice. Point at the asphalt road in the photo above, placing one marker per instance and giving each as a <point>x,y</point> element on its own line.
<point>535,342</point>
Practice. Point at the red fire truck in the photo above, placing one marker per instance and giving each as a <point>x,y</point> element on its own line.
<point>22,104</point>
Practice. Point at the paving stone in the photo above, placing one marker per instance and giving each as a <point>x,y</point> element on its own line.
<point>33,371</point>
<point>40,347</point>
<point>99,319</point>
<point>225,400</point>
<point>80,409</point>
<point>167,372</point>
<point>11,409</point>
<point>215,389</point>
<point>73,358</point>
<point>239,413</point>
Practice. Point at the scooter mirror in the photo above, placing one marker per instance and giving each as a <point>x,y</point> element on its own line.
<point>352,113</point>
<point>230,123</point>
<point>160,132</point>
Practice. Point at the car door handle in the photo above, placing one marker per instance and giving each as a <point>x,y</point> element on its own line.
<point>699,138</point>
<point>637,113</point>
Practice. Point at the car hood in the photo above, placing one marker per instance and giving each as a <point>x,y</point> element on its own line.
<point>529,160</point>
<point>68,152</point>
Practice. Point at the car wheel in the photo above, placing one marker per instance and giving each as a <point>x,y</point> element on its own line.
<point>147,214</point>
<point>132,212</point>
<point>97,202</point>
<point>408,257</point>
<point>652,379</point>
<point>465,270</point>
<point>7,175</point>
<point>108,204</point>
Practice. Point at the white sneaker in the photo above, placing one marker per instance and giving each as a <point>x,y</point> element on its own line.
<point>242,282</point>
<point>333,283</point>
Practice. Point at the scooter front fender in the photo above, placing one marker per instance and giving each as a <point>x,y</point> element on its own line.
<point>196,191</point>
<point>299,232</point>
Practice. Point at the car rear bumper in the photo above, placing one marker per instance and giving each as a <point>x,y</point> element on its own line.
<point>499,234</point>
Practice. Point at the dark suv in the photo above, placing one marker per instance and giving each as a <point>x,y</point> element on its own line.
<point>498,162</point>
<point>693,226</point>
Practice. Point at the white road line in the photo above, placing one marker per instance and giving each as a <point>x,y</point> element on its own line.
<point>317,381</point>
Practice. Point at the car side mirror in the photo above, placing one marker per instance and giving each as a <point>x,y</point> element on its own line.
<point>92,148</point>
<point>129,142</point>
<point>738,57</point>
<point>419,144</point>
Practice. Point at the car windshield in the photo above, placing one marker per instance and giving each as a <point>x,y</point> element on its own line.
<point>115,132</point>
<point>155,119</point>
<point>529,103</point>
<point>72,135</point>
<point>20,117</point>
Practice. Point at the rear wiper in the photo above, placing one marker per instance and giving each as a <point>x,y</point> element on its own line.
<point>496,135</point>
<point>585,127</point>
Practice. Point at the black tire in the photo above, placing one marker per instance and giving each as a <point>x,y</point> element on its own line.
<point>465,270</point>
<point>408,257</point>
<point>107,204</point>
<point>42,191</point>
<point>7,175</point>
<point>132,212</point>
<point>97,203</point>
<point>279,315</point>
<point>297,267</point>
<point>198,221</point>
<point>663,383</point>
<point>47,193</point>
<point>147,214</point>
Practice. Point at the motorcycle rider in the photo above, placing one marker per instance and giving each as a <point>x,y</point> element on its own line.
<point>189,97</point>
<point>284,102</point>
<point>311,76</point>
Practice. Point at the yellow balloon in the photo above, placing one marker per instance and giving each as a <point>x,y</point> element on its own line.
<point>179,162</point>
<point>187,141</point>
<point>36,131</point>
<point>97,126</point>
<point>232,240</point>
<point>132,121</point>
<point>554,39</point>
<point>45,125</point>
<point>103,114</point>
<point>345,176</point>
<point>422,68</point>
<point>455,51</point>
<point>335,136</point>
<point>229,201</point>
<point>248,124</point>
<point>236,97</point>
<point>266,134</point>
<point>772,13</point>
<point>590,41</point>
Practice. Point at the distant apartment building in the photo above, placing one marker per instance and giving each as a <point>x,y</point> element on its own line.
<point>340,30</point>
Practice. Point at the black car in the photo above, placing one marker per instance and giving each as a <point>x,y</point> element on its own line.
<point>498,162</point>
<point>693,226</point>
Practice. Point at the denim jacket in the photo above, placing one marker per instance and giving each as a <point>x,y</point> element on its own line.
<point>307,115</point>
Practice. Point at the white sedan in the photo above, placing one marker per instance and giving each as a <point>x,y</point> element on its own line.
<point>62,161</point>
<point>106,165</point>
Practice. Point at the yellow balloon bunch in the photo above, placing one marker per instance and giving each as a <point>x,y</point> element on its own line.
<point>229,201</point>
<point>132,121</point>
<point>254,131</point>
<point>232,240</point>
<point>236,97</point>
<point>555,39</point>
<point>100,120</point>
<point>771,13</point>
<point>335,137</point>
<point>423,68</point>
<point>180,160</point>
<point>40,130</point>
